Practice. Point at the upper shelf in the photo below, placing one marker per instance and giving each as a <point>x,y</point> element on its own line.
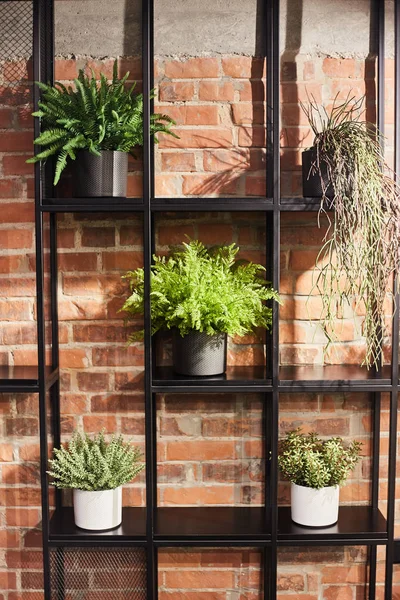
<point>24,379</point>
<point>248,204</point>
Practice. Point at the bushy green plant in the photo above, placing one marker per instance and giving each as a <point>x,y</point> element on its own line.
<point>94,116</point>
<point>201,289</point>
<point>361,249</point>
<point>94,464</point>
<point>311,462</point>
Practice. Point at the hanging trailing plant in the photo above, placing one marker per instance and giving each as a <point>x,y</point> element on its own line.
<point>360,252</point>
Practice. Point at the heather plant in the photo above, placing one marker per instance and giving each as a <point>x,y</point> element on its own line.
<point>94,464</point>
<point>311,462</point>
<point>206,290</point>
<point>361,249</point>
<point>93,115</point>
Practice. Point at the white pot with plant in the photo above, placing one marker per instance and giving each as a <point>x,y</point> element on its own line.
<point>95,470</point>
<point>94,124</point>
<point>202,295</point>
<point>316,468</point>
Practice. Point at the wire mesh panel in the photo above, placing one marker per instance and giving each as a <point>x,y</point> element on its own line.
<point>98,573</point>
<point>16,39</point>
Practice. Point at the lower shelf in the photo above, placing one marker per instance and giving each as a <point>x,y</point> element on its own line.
<point>216,525</point>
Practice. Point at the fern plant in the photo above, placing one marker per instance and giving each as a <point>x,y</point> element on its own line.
<point>94,116</point>
<point>200,289</point>
<point>94,464</point>
<point>308,461</point>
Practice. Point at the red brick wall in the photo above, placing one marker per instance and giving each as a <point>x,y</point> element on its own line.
<point>209,447</point>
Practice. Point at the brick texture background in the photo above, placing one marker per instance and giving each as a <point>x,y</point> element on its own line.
<point>209,447</point>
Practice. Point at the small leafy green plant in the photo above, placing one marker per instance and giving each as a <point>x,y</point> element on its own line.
<point>200,289</point>
<point>94,464</point>
<point>311,462</point>
<point>94,116</point>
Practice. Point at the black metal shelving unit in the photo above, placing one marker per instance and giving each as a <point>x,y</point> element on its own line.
<point>144,530</point>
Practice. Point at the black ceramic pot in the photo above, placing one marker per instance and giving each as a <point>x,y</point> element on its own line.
<point>101,176</point>
<point>312,185</point>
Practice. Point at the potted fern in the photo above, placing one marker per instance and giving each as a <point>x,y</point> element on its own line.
<point>96,124</point>
<point>202,295</point>
<point>346,168</point>
<point>316,469</point>
<point>95,470</point>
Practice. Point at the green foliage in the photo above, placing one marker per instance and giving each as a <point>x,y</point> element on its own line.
<point>94,464</point>
<point>203,290</point>
<point>308,461</point>
<point>94,115</point>
<point>360,252</point>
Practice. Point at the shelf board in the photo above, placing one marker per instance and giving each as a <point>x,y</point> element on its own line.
<point>211,204</point>
<point>216,524</point>
<point>356,525</point>
<point>333,378</point>
<point>63,528</point>
<point>24,379</point>
<point>300,204</point>
<point>92,205</point>
<point>239,379</point>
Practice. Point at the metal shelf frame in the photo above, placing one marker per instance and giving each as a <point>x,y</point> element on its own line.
<point>269,527</point>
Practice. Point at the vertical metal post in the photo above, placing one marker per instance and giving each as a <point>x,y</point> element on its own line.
<point>39,58</point>
<point>273,190</point>
<point>150,443</point>
<point>395,342</point>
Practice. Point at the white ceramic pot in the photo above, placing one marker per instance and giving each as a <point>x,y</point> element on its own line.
<point>98,511</point>
<point>315,508</point>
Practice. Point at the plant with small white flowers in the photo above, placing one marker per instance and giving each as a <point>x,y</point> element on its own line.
<point>95,464</point>
<point>311,462</point>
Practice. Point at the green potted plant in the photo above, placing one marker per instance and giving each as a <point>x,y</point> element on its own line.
<point>346,168</point>
<point>202,295</point>
<point>95,470</point>
<point>316,469</point>
<point>96,124</point>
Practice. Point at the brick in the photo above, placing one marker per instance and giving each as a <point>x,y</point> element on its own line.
<point>13,264</point>
<point>92,382</point>
<point>74,403</point>
<point>82,308</point>
<point>246,113</point>
<point>22,517</point>
<point>202,450</point>
<point>8,580</point>
<point>11,239</point>
<point>192,68</point>
<point>252,137</point>
<point>17,474</point>
<point>344,67</point>
<point>168,185</point>
<point>178,161</point>
<point>199,579</point>
<point>216,91</point>
<point>17,141</point>
<point>65,69</point>
<point>256,186</point>
<point>176,235</point>
<point>292,583</point>
<point>10,188</point>
<point>132,64</point>
<point>206,185</point>
<point>125,357</point>
<point>100,333</point>
<point>200,496</point>
<point>338,592</point>
<point>130,235</point>
<point>6,118</point>
<point>22,426</point>
<point>122,260</point>
<point>18,70</point>
<point>238,67</point>
<point>252,91</point>
<point>95,423</point>
<point>117,403</point>
<point>215,233</point>
<point>17,310</point>
<point>6,452</point>
<point>98,237</point>
<point>78,261</point>
<point>343,574</point>
<point>239,159</point>
<point>132,425</point>
<point>198,138</point>
<point>178,91</point>
<point>73,358</point>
